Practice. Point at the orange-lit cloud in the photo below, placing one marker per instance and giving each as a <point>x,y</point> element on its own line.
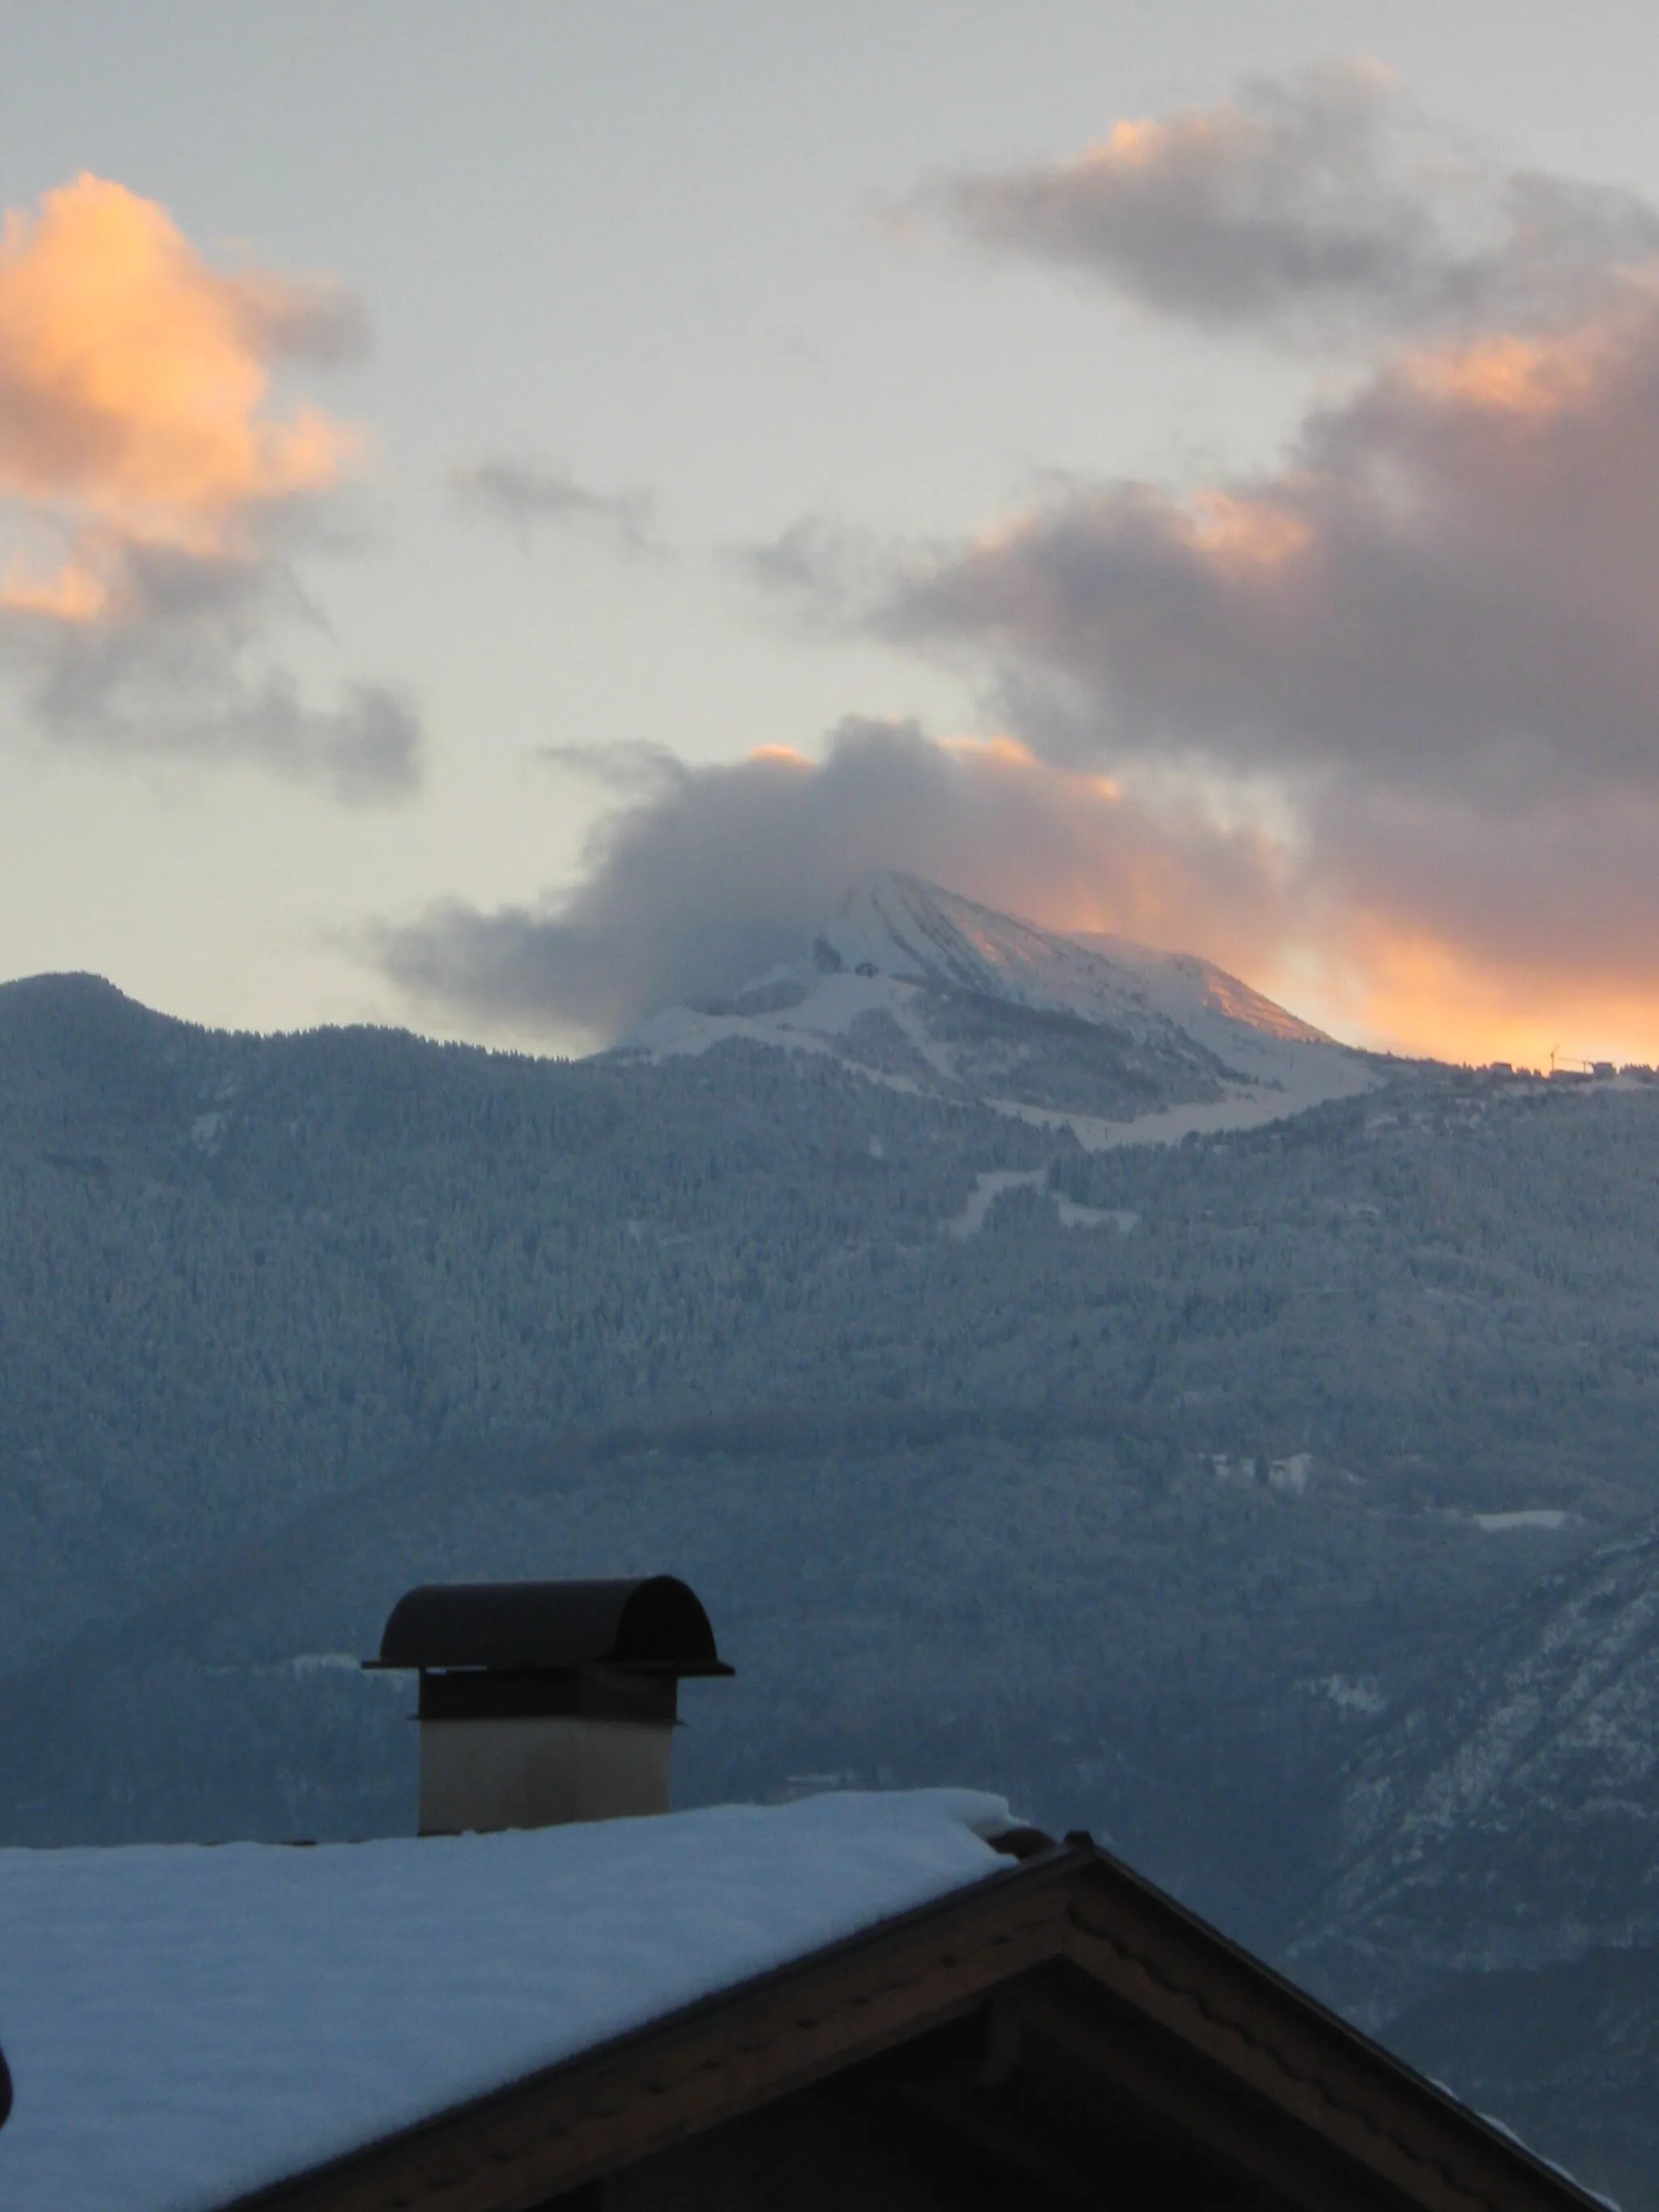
<point>134,380</point>
<point>1234,532</point>
<point>1424,653</point>
<point>71,593</point>
<point>1450,580</point>
<point>1376,727</point>
<point>785,756</point>
<point>1507,374</point>
<point>1424,647</point>
<point>704,876</point>
<point>150,486</point>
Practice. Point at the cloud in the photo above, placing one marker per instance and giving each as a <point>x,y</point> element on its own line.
<point>158,700</point>
<point>524,492</point>
<point>1422,644</point>
<point>1420,650</point>
<point>1415,923</point>
<point>632,766</point>
<point>132,375</point>
<point>1376,726</point>
<point>1422,926</point>
<point>1448,585</point>
<point>1445,928</point>
<point>708,875</point>
<point>179,674</point>
<point>156,501</point>
<point>1321,206</point>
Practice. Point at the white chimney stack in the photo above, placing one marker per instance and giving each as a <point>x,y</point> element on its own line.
<point>547,1702</point>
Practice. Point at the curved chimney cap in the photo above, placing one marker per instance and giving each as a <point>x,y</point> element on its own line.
<point>651,1625</point>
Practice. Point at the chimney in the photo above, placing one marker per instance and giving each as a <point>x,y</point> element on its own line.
<point>546,1702</point>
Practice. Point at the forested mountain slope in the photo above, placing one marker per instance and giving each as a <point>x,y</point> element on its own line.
<point>1157,1484</point>
<point>243,1275</point>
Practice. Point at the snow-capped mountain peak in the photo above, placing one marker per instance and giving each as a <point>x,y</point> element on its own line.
<point>918,987</point>
<point>898,926</point>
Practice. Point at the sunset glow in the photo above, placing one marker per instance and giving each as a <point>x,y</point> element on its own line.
<point>1296,613</point>
<point>778,757</point>
<point>1244,534</point>
<point>1404,992</point>
<point>1131,143</point>
<point>1509,375</point>
<point>73,594</point>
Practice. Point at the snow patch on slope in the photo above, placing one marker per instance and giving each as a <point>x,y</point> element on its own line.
<point>1550,1517</point>
<point>991,1184</point>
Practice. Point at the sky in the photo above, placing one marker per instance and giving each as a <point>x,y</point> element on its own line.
<point>504,508</point>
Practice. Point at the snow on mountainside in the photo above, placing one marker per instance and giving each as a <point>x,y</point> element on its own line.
<point>1497,1918</point>
<point>1455,1821</point>
<point>926,991</point>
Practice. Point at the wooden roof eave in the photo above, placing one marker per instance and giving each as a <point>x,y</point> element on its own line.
<point>1318,2098</point>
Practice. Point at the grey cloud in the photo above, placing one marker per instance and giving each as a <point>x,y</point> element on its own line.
<point>1564,889</point>
<point>713,879</point>
<point>524,492</point>
<point>1321,206</point>
<point>176,674</point>
<point>365,750</point>
<point>822,564</point>
<point>713,876</point>
<point>303,318</point>
<point>632,766</point>
<point>1448,587</point>
<point>1426,637</point>
<point>368,750</point>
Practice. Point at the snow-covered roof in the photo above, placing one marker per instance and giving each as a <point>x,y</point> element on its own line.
<point>185,2023</point>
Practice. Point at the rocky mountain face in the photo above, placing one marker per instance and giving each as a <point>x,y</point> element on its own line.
<point>1278,1502</point>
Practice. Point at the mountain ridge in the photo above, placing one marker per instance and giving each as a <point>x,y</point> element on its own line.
<point>1158,1484</point>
